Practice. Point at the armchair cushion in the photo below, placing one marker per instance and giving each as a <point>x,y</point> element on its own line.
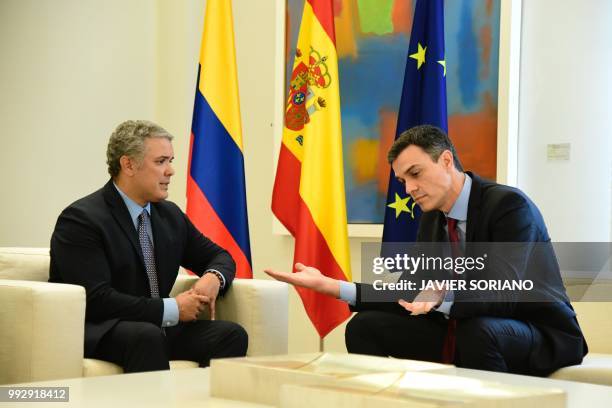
<point>29,264</point>
<point>596,368</point>
<point>41,331</point>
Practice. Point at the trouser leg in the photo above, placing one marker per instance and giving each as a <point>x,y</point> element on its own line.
<point>135,346</point>
<point>494,344</point>
<point>397,335</point>
<point>204,340</point>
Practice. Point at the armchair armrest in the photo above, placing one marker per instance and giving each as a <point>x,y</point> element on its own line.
<point>260,306</point>
<point>41,331</point>
<point>183,283</point>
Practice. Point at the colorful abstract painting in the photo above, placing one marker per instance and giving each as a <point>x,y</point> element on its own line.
<point>372,39</point>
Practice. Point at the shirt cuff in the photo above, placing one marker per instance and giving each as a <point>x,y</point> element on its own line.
<point>218,274</point>
<point>348,292</point>
<point>447,303</point>
<point>171,313</point>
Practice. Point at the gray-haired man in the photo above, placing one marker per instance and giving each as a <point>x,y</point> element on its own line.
<point>124,244</point>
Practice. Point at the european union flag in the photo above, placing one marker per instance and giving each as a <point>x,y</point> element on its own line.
<point>423,102</point>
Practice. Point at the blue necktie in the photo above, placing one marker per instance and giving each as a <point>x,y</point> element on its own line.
<point>147,252</point>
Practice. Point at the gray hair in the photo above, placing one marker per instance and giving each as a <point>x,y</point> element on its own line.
<point>128,139</point>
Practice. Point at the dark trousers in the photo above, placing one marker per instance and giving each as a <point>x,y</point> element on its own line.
<point>142,346</point>
<point>484,343</point>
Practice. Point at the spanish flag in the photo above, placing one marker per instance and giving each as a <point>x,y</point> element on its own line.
<point>216,198</point>
<point>308,193</point>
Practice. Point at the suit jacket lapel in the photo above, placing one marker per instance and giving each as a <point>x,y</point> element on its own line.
<point>438,227</point>
<point>431,227</point>
<point>122,216</point>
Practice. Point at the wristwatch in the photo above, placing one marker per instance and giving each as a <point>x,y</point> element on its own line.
<point>218,275</point>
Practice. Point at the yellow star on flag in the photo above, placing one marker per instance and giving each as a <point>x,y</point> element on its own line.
<point>400,205</point>
<point>443,63</point>
<point>419,56</point>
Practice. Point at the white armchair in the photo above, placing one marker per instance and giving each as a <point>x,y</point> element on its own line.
<point>596,324</point>
<point>41,323</point>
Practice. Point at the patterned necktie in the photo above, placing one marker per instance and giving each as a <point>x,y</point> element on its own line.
<point>448,350</point>
<point>147,252</point>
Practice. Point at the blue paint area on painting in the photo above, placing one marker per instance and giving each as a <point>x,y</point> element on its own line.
<point>363,205</point>
<point>468,58</point>
<point>492,81</point>
<point>366,88</point>
<point>374,82</point>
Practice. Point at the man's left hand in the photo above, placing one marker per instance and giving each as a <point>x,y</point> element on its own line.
<point>424,302</point>
<point>208,285</point>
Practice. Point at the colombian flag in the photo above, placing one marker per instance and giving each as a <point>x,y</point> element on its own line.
<point>308,193</point>
<point>216,198</point>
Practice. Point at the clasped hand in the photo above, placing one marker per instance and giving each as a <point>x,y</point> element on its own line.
<point>193,302</point>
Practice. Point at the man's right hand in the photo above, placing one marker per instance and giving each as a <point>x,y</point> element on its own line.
<point>190,305</point>
<point>308,277</point>
<point>425,301</point>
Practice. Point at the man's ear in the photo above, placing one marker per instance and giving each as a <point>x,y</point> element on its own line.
<point>447,159</point>
<point>128,165</point>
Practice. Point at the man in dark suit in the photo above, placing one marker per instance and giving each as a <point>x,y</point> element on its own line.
<point>508,334</point>
<point>124,244</point>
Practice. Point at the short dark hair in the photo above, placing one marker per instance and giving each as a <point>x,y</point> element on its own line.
<point>433,140</point>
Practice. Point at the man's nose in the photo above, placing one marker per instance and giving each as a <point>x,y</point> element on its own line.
<point>170,170</point>
<point>410,187</point>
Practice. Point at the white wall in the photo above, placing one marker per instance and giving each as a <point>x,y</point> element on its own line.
<point>70,71</point>
<point>566,97</point>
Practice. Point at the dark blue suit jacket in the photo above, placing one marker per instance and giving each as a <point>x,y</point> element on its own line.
<point>95,245</point>
<point>502,214</point>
